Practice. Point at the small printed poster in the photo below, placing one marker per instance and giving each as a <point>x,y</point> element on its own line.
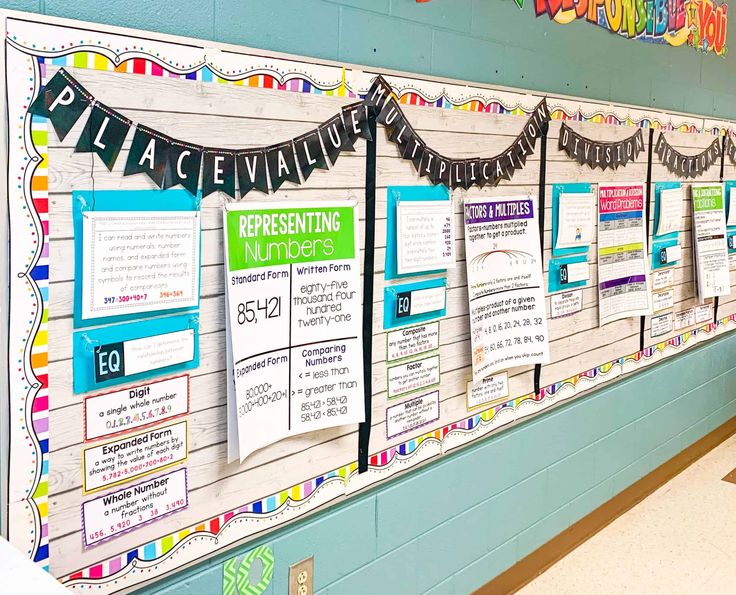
<point>135,407</point>
<point>670,210</point>
<point>425,236</point>
<point>709,241</point>
<point>623,275</point>
<point>413,340</point>
<point>132,457</point>
<point>508,315</point>
<point>662,279</point>
<point>576,220</point>
<point>414,375</point>
<point>684,319</point>
<point>139,261</point>
<point>487,391</point>
<point>661,325</point>
<point>412,414</point>
<point>115,513</point>
<point>663,300</point>
<point>703,313</point>
<point>565,303</point>
<point>294,306</point>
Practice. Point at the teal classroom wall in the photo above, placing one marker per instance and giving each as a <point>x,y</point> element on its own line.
<point>455,524</point>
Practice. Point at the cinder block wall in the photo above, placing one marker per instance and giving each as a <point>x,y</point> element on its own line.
<point>453,525</point>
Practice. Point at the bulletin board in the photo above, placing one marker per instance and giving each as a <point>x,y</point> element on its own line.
<point>233,97</point>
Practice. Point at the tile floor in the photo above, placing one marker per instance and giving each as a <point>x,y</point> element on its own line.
<point>681,540</point>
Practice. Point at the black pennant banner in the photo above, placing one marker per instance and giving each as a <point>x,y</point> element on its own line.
<point>690,166</point>
<point>281,164</point>
<point>597,153</point>
<point>104,134</point>
<point>182,166</point>
<point>454,173</point>
<point>170,162</point>
<point>309,153</point>
<point>148,154</point>
<point>62,101</point>
<point>218,172</point>
<point>730,149</point>
<point>252,170</point>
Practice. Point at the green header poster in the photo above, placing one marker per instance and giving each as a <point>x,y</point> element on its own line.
<point>294,318</point>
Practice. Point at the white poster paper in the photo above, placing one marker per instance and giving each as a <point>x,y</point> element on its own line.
<point>295,313</point>
<point>575,220</point>
<point>565,303</point>
<point>425,236</point>
<point>578,271</point>
<point>487,391</point>
<point>133,456</point>
<point>663,300</point>
<point>505,285</point>
<point>623,274</point>
<point>108,414</point>
<point>684,319</point>
<point>158,351</point>
<point>670,210</point>
<point>709,241</point>
<point>412,376</point>
<point>672,254</point>
<point>412,414</point>
<point>115,513</point>
<point>703,313</point>
<point>731,207</point>
<point>426,300</point>
<point>663,278</point>
<point>412,340</point>
<point>139,261</point>
<point>661,325</point>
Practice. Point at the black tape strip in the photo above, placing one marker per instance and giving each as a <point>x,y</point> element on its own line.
<point>364,430</point>
<point>542,197</point>
<point>643,320</point>
<point>723,163</point>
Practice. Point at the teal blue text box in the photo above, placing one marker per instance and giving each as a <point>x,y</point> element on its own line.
<point>394,194</point>
<point>85,342</point>
<point>121,200</point>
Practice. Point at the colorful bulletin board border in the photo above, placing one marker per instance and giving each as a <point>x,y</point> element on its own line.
<point>665,240</point>
<point>121,200</point>
<point>31,46</point>
<point>395,194</point>
<point>187,545</point>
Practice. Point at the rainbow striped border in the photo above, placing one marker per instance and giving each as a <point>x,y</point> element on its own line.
<point>294,78</point>
<point>115,571</point>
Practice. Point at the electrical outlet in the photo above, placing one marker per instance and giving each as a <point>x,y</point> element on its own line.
<point>301,577</point>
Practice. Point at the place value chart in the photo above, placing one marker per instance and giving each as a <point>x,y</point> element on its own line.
<point>294,320</point>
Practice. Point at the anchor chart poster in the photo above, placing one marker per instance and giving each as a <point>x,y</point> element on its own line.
<point>294,320</point>
<point>508,322</point>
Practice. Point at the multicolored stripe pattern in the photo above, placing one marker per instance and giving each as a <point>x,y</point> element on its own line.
<point>302,493</point>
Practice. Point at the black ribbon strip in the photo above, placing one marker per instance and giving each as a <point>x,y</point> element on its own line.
<point>364,429</point>
<point>688,166</point>
<point>541,207</point>
<point>723,163</point>
<point>600,154</point>
<point>643,319</point>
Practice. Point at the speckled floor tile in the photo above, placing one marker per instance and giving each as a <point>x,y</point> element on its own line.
<point>678,541</point>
